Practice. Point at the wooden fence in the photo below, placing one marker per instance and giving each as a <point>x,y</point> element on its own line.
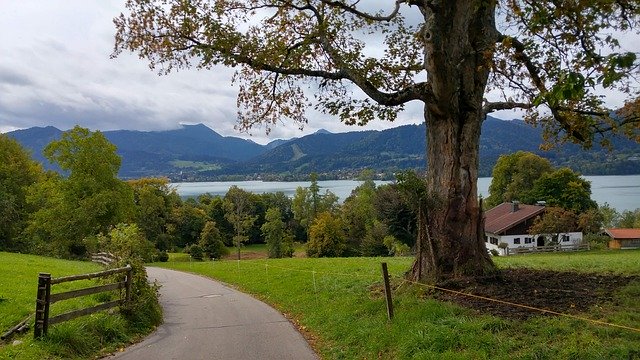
<point>45,298</point>
<point>550,248</point>
<point>104,258</point>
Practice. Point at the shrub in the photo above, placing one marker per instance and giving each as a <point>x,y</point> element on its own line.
<point>196,252</point>
<point>395,247</point>
<point>597,242</point>
<point>211,241</point>
<point>494,252</point>
<point>130,247</point>
<point>373,242</point>
<point>126,241</point>
<point>163,256</point>
<point>326,237</point>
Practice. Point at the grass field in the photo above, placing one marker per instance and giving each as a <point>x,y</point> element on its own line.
<point>247,252</point>
<point>19,280</point>
<point>339,304</point>
<point>84,337</point>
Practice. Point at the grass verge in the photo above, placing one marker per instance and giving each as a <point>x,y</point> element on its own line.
<point>84,337</point>
<point>338,303</point>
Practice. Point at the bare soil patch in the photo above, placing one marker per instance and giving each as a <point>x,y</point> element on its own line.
<point>563,292</point>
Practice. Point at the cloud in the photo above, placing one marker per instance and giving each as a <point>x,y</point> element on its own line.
<point>55,69</point>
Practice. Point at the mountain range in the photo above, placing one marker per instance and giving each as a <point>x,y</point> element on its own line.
<point>196,152</point>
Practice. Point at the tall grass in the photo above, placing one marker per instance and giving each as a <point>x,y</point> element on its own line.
<point>339,303</point>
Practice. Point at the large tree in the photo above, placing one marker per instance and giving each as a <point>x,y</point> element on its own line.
<point>88,201</point>
<point>514,175</point>
<point>17,172</point>
<point>365,60</point>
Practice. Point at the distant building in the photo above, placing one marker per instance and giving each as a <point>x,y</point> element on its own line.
<point>624,238</point>
<point>510,222</point>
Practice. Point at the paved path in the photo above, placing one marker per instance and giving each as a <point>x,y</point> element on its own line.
<point>204,319</point>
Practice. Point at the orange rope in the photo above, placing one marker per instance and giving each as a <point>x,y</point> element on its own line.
<point>524,306</point>
<point>576,317</point>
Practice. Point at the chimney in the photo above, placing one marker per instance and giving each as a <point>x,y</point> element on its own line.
<point>514,206</point>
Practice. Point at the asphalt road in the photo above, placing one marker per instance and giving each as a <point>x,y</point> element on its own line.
<point>204,319</point>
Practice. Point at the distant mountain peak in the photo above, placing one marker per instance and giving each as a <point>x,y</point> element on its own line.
<point>323,131</point>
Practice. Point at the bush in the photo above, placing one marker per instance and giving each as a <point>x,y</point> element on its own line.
<point>395,247</point>
<point>326,237</point>
<point>211,241</point>
<point>494,252</point>
<point>373,242</point>
<point>597,242</point>
<point>143,311</point>
<point>126,241</point>
<point>196,252</point>
<point>163,256</point>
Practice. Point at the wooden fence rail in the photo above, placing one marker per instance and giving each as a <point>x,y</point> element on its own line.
<point>45,298</point>
<point>550,248</point>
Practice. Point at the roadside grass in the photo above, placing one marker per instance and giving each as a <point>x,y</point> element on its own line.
<point>247,252</point>
<point>339,304</point>
<point>84,337</point>
<point>625,262</point>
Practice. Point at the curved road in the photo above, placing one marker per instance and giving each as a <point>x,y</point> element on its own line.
<point>204,319</point>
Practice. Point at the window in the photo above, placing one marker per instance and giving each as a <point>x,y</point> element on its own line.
<point>516,241</point>
<point>528,240</point>
<point>494,240</point>
<point>565,238</point>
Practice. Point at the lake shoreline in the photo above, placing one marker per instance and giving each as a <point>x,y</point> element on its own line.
<point>622,192</point>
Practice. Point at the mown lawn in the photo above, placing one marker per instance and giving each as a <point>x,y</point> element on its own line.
<point>19,280</point>
<point>84,337</point>
<point>339,304</point>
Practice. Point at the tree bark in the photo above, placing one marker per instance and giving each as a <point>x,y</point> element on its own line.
<point>459,40</point>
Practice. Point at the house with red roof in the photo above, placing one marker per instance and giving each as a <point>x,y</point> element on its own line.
<point>509,223</point>
<point>624,238</point>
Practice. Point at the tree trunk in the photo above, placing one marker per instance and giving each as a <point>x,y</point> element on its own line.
<point>459,42</point>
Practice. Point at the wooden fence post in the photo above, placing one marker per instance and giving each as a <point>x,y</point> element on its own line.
<point>387,290</point>
<point>41,326</point>
<point>128,286</point>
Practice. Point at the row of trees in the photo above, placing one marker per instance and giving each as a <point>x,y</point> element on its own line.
<point>71,214</point>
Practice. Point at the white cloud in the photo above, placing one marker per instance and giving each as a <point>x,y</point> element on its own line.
<point>55,70</point>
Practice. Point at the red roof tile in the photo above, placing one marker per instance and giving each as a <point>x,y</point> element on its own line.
<point>624,233</point>
<point>502,217</point>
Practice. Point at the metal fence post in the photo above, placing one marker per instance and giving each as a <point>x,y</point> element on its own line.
<point>41,326</point>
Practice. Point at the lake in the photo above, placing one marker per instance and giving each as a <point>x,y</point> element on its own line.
<point>620,192</point>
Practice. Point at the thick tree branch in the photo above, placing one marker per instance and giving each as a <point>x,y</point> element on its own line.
<point>418,91</point>
<point>504,105</point>
<point>351,9</point>
<point>522,56</point>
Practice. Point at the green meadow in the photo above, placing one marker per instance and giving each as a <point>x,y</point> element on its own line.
<point>82,338</point>
<point>338,304</point>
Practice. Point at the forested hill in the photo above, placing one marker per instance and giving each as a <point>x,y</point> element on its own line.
<point>196,152</point>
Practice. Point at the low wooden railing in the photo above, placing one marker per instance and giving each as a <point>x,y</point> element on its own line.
<point>104,258</point>
<point>45,298</point>
<point>550,248</point>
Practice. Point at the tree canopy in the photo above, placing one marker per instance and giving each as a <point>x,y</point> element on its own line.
<point>89,201</point>
<point>17,173</point>
<point>361,61</point>
<point>514,176</point>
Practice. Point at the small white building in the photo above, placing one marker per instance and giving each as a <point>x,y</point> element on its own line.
<point>509,223</point>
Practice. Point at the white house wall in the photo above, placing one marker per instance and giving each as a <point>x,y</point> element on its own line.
<point>572,238</point>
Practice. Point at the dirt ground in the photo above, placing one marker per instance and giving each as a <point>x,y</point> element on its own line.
<point>563,292</point>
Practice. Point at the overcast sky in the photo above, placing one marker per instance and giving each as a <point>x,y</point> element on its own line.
<point>55,70</point>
